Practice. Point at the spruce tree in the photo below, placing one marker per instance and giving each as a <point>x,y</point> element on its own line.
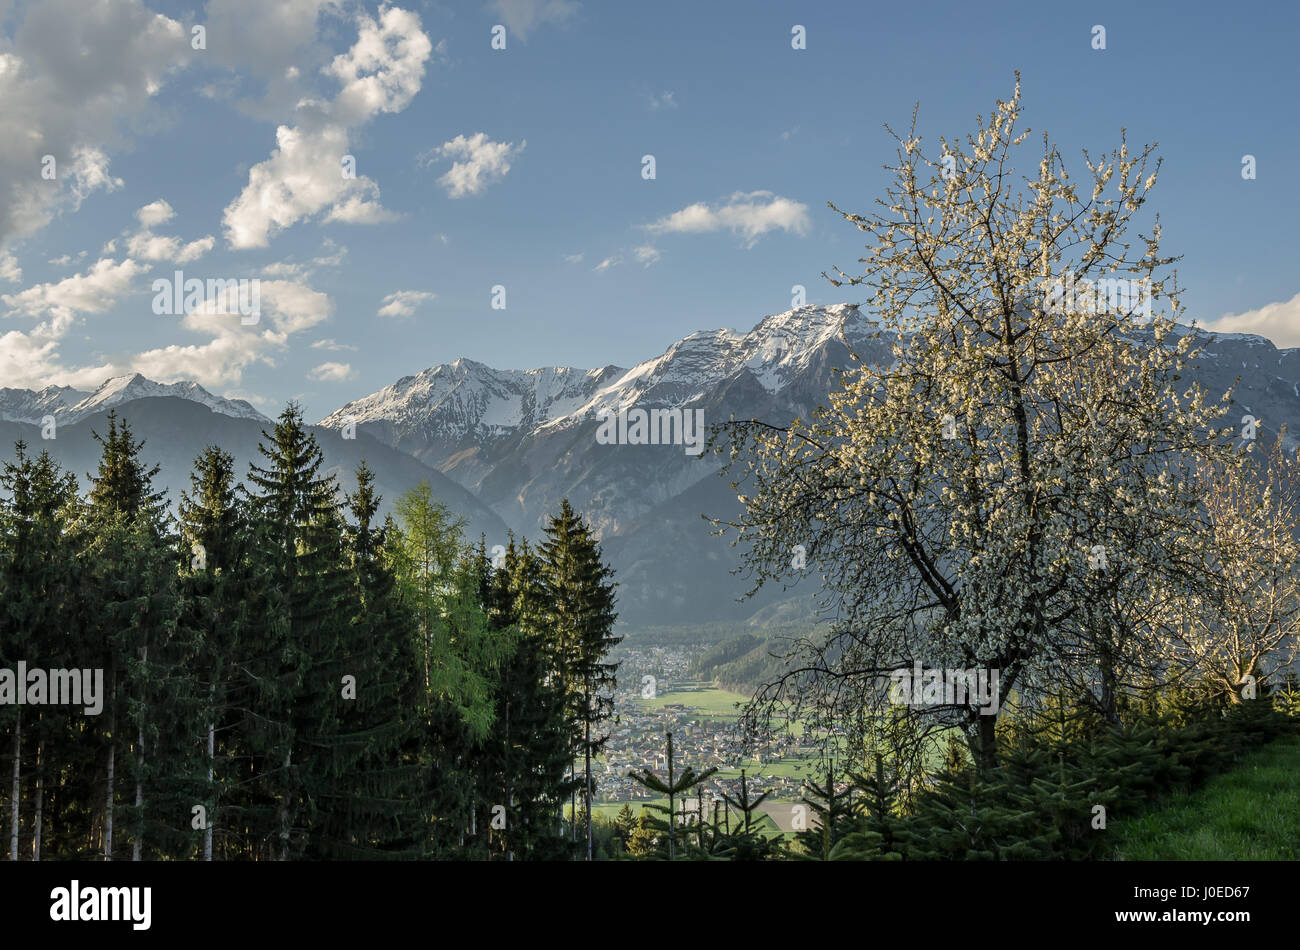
<point>674,786</point>
<point>746,842</point>
<point>877,809</point>
<point>214,543</point>
<point>582,621</point>
<point>38,578</point>
<point>832,813</point>
<point>295,508</point>
<point>533,710</point>
<point>378,805</point>
<point>132,614</point>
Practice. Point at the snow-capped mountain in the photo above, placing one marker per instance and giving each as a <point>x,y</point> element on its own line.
<point>466,398</point>
<point>68,405</point>
<point>778,352</point>
<point>524,440</point>
<point>30,405</point>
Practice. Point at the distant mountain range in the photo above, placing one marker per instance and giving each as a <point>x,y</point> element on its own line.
<point>521,441</point>
<point>503,447</point>
<point>69,405</point>
<point>176,429</point>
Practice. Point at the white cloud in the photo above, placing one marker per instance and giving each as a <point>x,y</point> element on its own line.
<point>647,255</point>
<point>234,347</point>
<point>664,100</point>
<point>219,362</point>
<point>293,306</point>
<point>63,260</point>
<point>156,247</point>
<point>30,358</point>
<point>155,213</point>
<point>332,255</point>
<point>361,207</point>
<point>30,361</point>
<point>574,258</point>
<point>10,272</point>
<point>382,72</point>
<point>748,214</point>
<point>403,303</point>
<point>92,292</point>
<point>1280,322</point>
<point>329,344</point>
<point>332,372</point>
<point>608,262</point>
<point>73,76</point>
<point>90,174</point>
<point>195,249</point>
<point>522,16</point>
<point>483,162</point>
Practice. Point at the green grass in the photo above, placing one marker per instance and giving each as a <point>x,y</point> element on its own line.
<point>1251,813</point>
<point>710,702</point>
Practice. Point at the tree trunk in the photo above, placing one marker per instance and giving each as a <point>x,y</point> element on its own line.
<point>1108,690</point>
<point>510,797</point>
<point>284,807</point>
<point>17,787</point>
<point>212,800</point>
<point>112,753</point>
<point>108,803</point>
<point>988,748</point>
<point>40,804</point>
<point>137,843</point>
<point>587,753</point>
<point>137,839</point>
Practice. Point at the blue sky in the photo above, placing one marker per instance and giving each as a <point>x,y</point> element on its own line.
<point>522,168</point>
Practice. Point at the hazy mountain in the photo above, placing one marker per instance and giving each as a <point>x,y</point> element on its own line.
<point>176,429</point>
<point>68,405</point>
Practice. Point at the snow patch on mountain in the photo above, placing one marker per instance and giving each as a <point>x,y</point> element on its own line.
<point>68,405</point>
<point>469,399</point>
<point>776,352</point>
<point>466,400</point>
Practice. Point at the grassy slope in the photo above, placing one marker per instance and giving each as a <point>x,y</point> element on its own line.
<point>1249,814</point>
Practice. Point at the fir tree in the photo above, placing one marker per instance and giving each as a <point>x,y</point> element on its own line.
<point>877,808</point>
<point>37,616</point>
<point>134,605</point>
<point>746,842</point>
<point>300,527</point>
<point>674,787</point>
<point>375,808</point>
<point>582,621</point>
<point>832,814</point>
